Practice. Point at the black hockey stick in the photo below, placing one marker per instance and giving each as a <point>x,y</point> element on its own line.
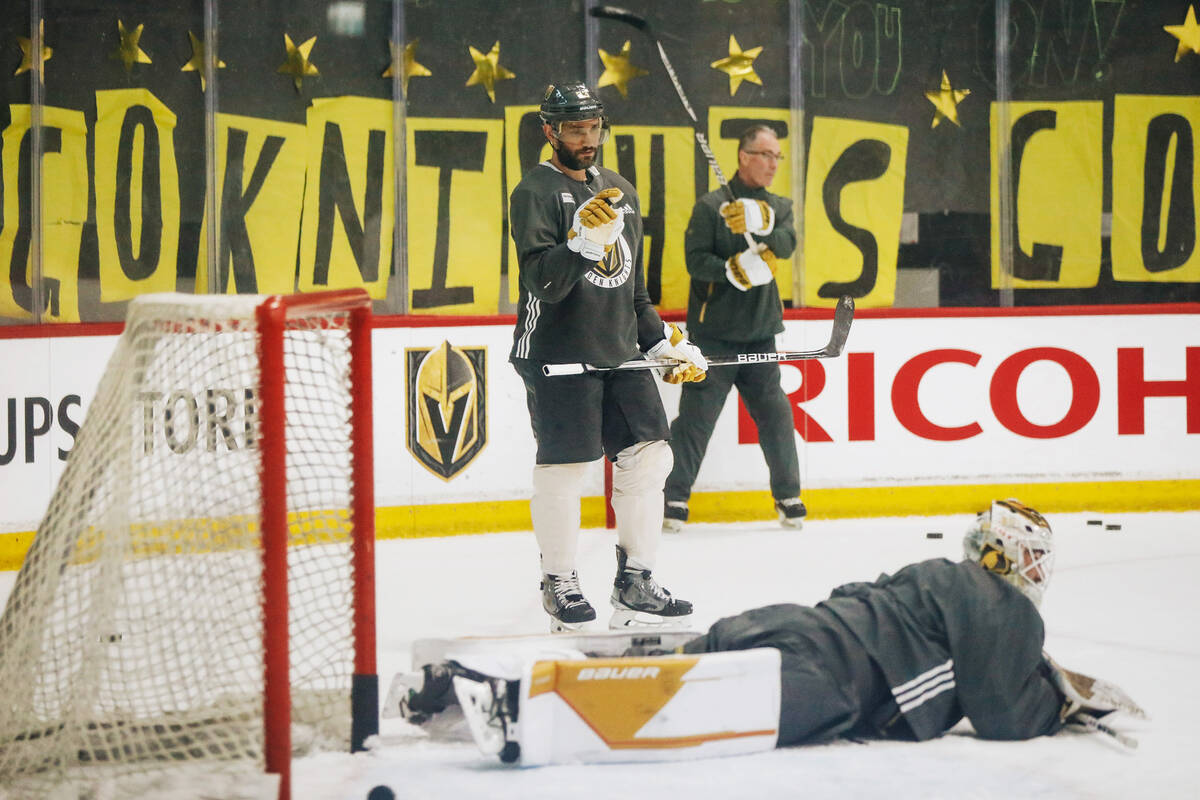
<point>843,315</point>
<point>639,22</point>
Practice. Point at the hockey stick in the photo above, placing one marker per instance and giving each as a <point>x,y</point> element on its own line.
<point>1093,725</point>
<point>639,22</point>
<point>843,315</point>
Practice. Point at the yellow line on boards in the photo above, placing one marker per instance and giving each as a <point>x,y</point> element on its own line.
<point>455,519</point>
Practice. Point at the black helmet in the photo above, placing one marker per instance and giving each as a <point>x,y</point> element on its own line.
<point>570,101</point>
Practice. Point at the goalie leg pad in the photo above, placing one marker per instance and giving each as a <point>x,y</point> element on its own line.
<point>662,708</point>
<point>555,511</point>
<point>637,498</point>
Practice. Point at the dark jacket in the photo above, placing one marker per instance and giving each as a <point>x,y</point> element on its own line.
<point>949,639</point>
<point>716,308</point>
<point>571,309</point>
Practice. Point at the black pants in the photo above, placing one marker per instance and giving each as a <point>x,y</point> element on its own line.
<point>829,686</point>
<point>575,418</point>
<point>700,404</point>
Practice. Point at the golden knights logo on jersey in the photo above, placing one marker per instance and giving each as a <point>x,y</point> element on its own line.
<point>616,267</point>
<point>447,406</point>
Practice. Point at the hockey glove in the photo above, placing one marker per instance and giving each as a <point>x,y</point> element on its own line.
<point>752,267</point>
<point>748,216</point>
<point>596,225</point>
<point>692,364</point>
<point>1085,695</point>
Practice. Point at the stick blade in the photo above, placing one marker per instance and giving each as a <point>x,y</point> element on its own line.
<point>620,15</point>
<point>843,315</point>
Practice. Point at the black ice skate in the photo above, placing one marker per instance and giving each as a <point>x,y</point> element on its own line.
<point>638,600</point>
<point>675,513</point>
<point>791,512</point>
<point>564,602</point>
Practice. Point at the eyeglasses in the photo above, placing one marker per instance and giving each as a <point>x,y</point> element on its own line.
<point>765,154</point>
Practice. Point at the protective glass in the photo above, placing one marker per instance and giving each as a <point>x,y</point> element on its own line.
<point>589,131</point>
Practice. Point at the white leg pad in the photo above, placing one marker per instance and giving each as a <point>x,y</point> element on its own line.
<point>661,708</point>
<point>557,489</point>
<point>637,498</point>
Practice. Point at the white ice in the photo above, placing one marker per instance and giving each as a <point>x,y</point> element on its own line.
<point>1123,605</point>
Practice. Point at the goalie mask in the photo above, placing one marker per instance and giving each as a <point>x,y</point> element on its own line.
<point>572,102</point>
<point>1013,541</point>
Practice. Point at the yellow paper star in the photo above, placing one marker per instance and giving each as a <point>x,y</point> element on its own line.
<point>945,101</point>
<point>739,65</point>
<point>618,71</point>
<point>409,68</point>
<point>27,52</point>
<point>297,64</point>
<point>488,70</point>
<point>128,52</point>
<point>196,64</point>
<point>1188,35</point>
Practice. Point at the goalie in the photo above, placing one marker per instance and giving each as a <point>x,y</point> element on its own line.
<point>906,657</point>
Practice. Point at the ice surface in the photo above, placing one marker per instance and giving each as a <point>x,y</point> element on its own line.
<point>1123,605</point>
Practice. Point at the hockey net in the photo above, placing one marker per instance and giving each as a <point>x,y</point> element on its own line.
<point>214,525</point>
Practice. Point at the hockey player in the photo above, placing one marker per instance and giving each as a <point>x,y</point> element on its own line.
<point>906,656</point>
<point>578,233</point>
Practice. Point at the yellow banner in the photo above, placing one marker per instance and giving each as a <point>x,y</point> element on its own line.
<point>854,200</point>
<point>454,215</point>
<point>260,196</point>
<point>64,212</point>
<point>525,147</point>
<point>137,194</point>
<point>1057,174</point>
<point>346,232</point>
<point>658,161</point>
<point>725,127</point>
<point>1156,188</point>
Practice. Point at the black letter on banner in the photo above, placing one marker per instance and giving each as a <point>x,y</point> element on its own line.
<point>858,54</point>
<point>69,426</point>
<point>1046,262</point>
<point>1181,213</point>
<point>142,266</point>
<point>865,160</point>
<point>11,449</point>
<point>235,241</point>
<point>22,291</point>
<point>654,218</point>
<point>448,151</point>
<point>336,194</point>
<point>32,429</point>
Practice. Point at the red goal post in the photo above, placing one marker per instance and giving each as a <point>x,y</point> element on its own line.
<point>201,587</point>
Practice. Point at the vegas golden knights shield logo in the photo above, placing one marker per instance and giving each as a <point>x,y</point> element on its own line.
<point>447,406</point>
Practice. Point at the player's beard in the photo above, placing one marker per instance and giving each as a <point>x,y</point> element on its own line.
<point>575,159</point>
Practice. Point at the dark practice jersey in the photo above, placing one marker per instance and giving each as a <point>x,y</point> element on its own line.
<point>716,308</point>
<point>572,309</point>
<point>950,640</point>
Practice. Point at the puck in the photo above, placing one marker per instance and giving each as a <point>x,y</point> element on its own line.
<point>933,535</point>
<point>1112,527</point>
<point>1095,522</point>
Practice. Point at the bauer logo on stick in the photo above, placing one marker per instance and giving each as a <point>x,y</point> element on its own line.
<point>446,406</point>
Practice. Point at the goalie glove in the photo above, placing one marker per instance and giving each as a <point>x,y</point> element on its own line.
<point>752,267</point>
<point>692,364</point>
<point>596,225</point>
<point>748,216</point>
<point>1085,696</point>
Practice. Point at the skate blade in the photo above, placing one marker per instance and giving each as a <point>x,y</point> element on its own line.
<point>624,618</point>
<point>480,707</point>
<point>672,526</point>
<point>558,626</point>
<point>794,524</point>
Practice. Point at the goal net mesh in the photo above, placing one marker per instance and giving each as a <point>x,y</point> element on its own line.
<point>133,637</point>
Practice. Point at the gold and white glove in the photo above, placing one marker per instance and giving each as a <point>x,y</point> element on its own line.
<point>596,225</point>
<point>1088,695</point>
<point>748,216</point>
<point>752,267</point>
<point>692,363</point>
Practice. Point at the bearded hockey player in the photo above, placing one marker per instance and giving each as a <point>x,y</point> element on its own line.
<point>578,233</point>
<point>906,656</point>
